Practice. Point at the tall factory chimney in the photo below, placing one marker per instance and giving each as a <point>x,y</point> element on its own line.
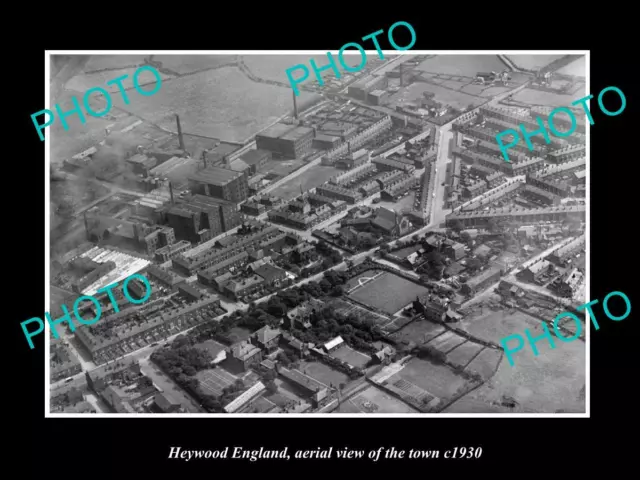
<point>180,139</point>
<point>295,106</point>
<point>171,192</point>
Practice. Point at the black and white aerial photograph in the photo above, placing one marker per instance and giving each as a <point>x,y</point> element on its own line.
<point>356,243</point>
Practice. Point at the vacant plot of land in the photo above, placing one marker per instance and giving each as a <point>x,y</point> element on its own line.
<point>215,380</point>
<point>537,97</point>
<point>221,103</point>
<point>533,62</point>
<point>100,62</point>
<point>420,331</point>
<point>447,342</point>
<point>577,67</point>
<point>438,380</point>
<point>274,67</point>
<point>465,65</point>
<point>388,293</point>
<point>324,373</point>
<point>375,400</point>
<point>311,178</point>
<point>146,79</point>
<point>485,363</point>
<point>443,95</point>
<point>281,168</point>
<point>462,354</point>
<point>351,356</point>
<point>182,64</point>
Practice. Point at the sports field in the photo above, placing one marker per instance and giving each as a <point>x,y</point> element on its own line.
<point>375,400</point>
<point>215,380</point>
<point>351,356</point>
<point>389,293</point>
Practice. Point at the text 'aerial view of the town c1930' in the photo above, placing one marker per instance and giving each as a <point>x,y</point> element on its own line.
<point>360,248</point>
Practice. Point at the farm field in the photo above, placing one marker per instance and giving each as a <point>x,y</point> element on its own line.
<point>532,62</point>
<point>462,354</point>
<point>388,293</point>
<point>311,178</point>
<point>221,103</point>
<point>465,65</point>
<point>100,62</point>
<point>439,380</point>
<point>420,331</point>
<point>351,356</point>
<point>324,373</point>
<point>375,400</point>
<point>577,67</point>
<point>147,81</point>
<point>184,64</point>
<point>447,342</point>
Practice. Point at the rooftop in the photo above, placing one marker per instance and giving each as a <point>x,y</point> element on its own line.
<point>215,176</point>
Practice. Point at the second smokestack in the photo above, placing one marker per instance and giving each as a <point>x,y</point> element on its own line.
<point>180,139</point>
<point>295,106</point>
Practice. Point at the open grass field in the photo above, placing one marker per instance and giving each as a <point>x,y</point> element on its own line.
<point>345,308</point>
<point>537,97</point>
<point>351,356</point>
<point>324,373</point>
<point>276,66</point>
<point>485,363</point>
<point>533,62</point>
<point>183,64</point>
<point>147,81</point>
<point>447,342</point>
<point>388,293</point>
<point>546,383</point>
<point>311,178</point>
<point>465,65</point>
<point>463,353</point>
<point>577,67</point>
<point>100,62</point>
<point>420,331</point>
<point>362,278</point>
<point>375,400</point>
<point>222,103</point>
<point>439,380</point>
<point>495,325</point>
<point>213,381</point>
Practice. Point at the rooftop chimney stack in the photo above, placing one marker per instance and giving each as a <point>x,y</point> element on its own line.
<point>86,225</point>
<point>171,192</point>
<point>295,106</point>
<point>180,139</point>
